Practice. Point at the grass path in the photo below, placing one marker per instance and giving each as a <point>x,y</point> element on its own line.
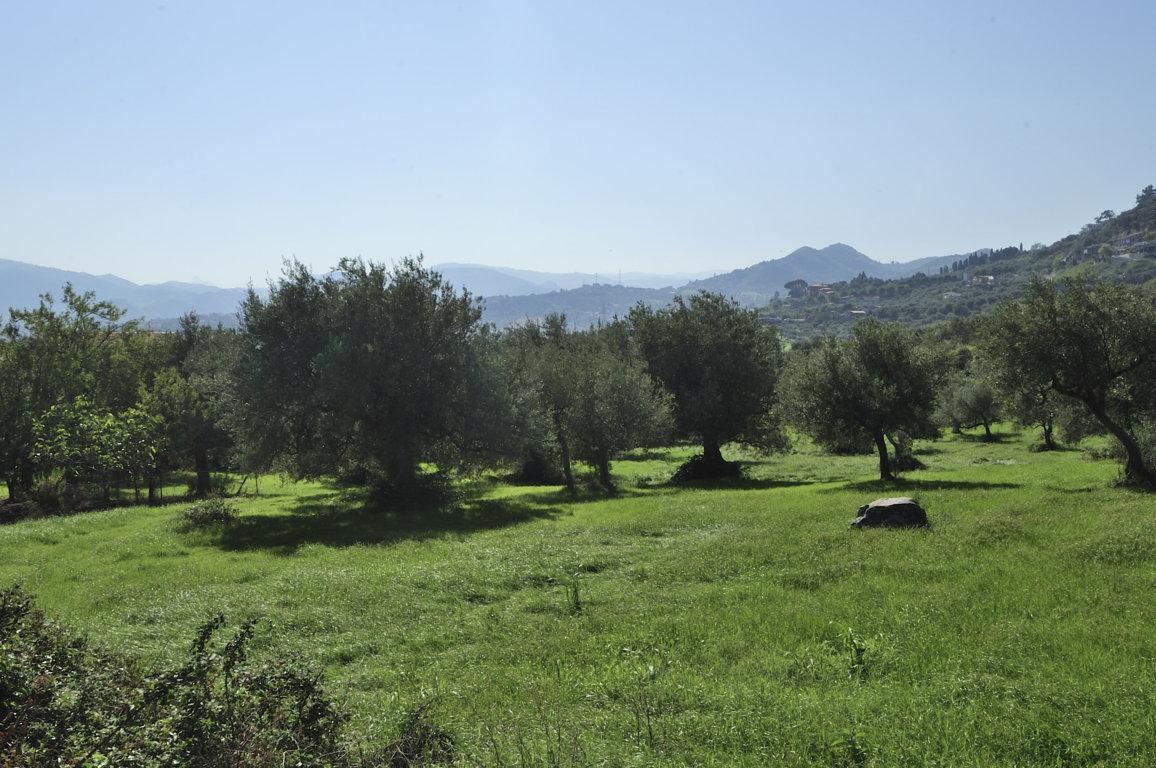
<point>741,625</point>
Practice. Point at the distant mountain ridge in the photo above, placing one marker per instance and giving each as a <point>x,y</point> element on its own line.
<point>22,284</point>
<point>752,286</point>
<point>485,280</point>
<point>758,283</point>
<point>511,295</point>
<point>583,306</point>
<point>1118,247</point>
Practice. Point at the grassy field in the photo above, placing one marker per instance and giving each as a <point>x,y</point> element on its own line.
<point>743,625</point>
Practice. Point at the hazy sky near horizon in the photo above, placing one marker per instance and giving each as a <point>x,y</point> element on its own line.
<point>209,140</point>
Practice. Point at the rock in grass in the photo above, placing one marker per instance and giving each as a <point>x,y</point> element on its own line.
<point>899,512</point>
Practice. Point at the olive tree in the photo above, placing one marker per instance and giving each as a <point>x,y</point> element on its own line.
<point>370,366</point>
<point>720,364</point>
<point>967,401</point>
<point>873,385</point>
<point>615,405</point>
<point>1035,407</point>
<point>591,389</point>
<point>1092,342</point>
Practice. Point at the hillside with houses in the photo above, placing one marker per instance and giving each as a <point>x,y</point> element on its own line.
<point>1117,247</point>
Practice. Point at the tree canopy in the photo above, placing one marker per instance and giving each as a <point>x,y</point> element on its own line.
<point>56,355</point>
<point>1093,342</point>
<point>369,367</point>
<point>967,401</point>
<point>720,364</point>
<point>591,389</point>
<point>877,382</point>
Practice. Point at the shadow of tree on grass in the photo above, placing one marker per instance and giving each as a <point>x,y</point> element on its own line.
<point>336,520</point>
<point>903,484</point>
<point>650,454</point>
<point>585,494</point>
<point>736,484</point>
<point>995,438</point>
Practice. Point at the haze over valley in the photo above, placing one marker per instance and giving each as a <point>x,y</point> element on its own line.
<point>512,294</point>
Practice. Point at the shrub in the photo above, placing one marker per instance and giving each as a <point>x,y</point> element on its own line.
<point>208,514</point>
<point>431,490</point>
<point>12,511</point>
<point>701,468</point>
<point>538,468</point>
<point>904,459</point>
<point>64,702</point>
<point>53,495</point>
<point>353,477</point>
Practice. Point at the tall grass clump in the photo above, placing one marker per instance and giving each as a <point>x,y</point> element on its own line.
<point>208,514</point>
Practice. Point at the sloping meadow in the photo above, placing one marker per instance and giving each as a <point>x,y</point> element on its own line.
<point>736,624</point>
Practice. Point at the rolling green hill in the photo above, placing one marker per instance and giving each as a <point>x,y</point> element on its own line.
<point>1120,248</point>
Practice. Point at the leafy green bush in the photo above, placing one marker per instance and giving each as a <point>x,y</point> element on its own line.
<point>208,514</point>
<point>55,496</point>
<point>64,702</point>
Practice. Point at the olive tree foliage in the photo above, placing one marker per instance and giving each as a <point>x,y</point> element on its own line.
<point>616,404</point>
<point>875,384</point>
<point>539,365</point>
<point>592,391</point>
<point>1035,407</point>
<point>968,400</point>
<point>371,367</point>
<point>183,420</point>
<point>16,437</point>
<point>1090,342</point>
<point>720,364</point>
<point>190,396</point>
<point>53,355</point>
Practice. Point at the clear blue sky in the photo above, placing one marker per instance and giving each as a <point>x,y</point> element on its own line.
<point>178,140</point>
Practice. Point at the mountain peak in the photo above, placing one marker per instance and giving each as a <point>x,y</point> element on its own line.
<point>835,262</point>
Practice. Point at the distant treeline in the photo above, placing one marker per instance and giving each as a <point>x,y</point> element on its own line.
<point>979,258</point>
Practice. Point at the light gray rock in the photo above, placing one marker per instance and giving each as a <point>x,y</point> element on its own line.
<point>899,512</point>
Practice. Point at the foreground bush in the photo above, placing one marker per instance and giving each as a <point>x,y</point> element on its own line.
<point>64,702</point>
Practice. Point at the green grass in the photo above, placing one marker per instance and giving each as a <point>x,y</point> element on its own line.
<point>737,625</point>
